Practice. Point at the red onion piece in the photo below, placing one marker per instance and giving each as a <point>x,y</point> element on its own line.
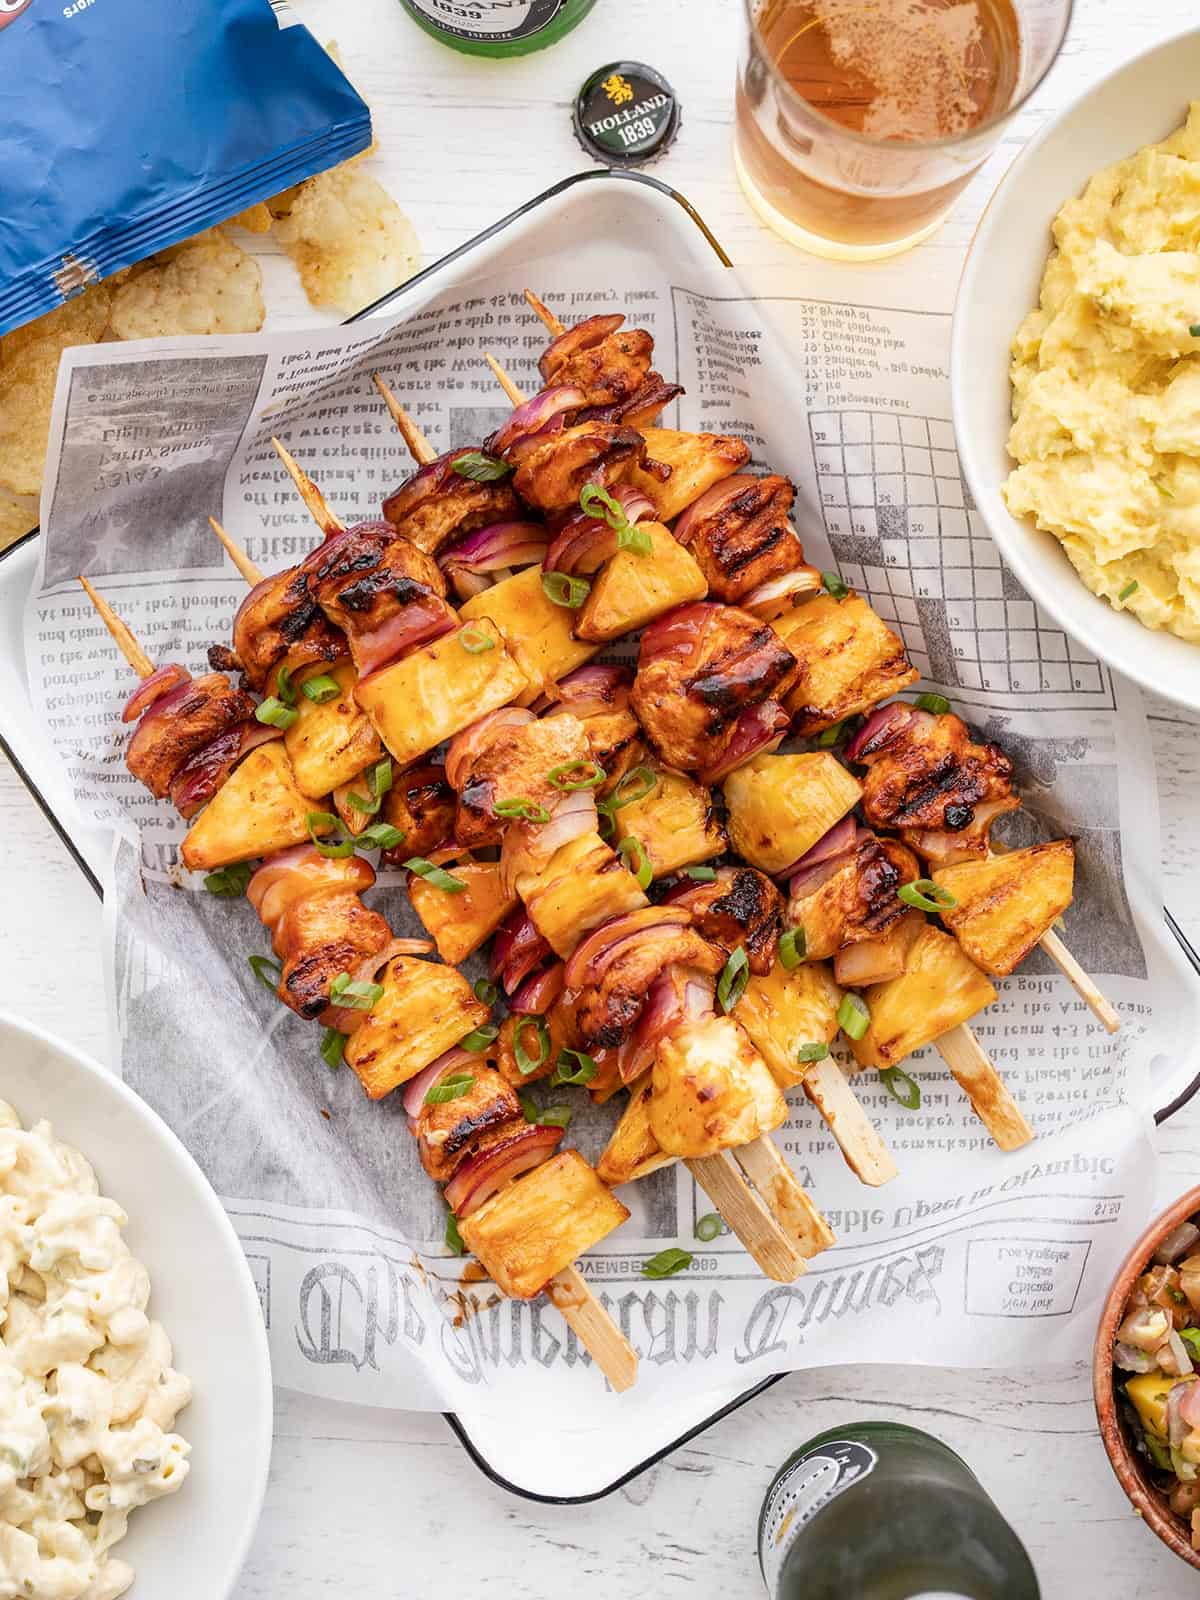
<point>1131,1360</point>
<point>467,585</point>
<point>301,870</point>
<point>759,730</point>
<point>600,944</point>
<point>153,688</point>
<point>944,844</point>
<point>522,948</point>
<point>273,868</point>
<point>533,415</point>
<point>710,503</point>
<point>417,1088</point>
<point>777,595</point>
<point>500,544</point>
<point>203,774</point>
<point>481,1175</point>
<point>165,704</point>
<point>675,998</point>
<point>1177,1426</point>
<point>837,842</point>
<point>537,994</point>
<point>584,543</point>
<point>1189,1405</point>
<point>1177,1243</point>
<point>588,691</point>
<point>406,630</point>
<point>881,727</point>
<point>466,746</point>
<point>516,453</point>
<point>676,634</point>
<point>866,961</point>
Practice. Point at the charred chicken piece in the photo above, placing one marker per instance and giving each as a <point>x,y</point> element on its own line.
<point>509,756</point>
<point>180,725</point>
<point>852,897</point>
<point>608,363</point>
<point>320,936</point>
<point>701,668</point>
<point>387,605</point>
<point>739,907</point>
<point>279,621</point>
<point>599,697</point>
<point>638,410</point>
<point>421,804</point>
<point>552,469</point>
<point>437,504</point>
<point>740,535</point>
<point>613,971</point>
<point>449,1132</point>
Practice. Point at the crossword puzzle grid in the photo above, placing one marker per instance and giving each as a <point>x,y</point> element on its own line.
<point>906,536</point>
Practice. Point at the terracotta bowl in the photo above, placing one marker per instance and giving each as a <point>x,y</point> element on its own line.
<point>1148,1501</point>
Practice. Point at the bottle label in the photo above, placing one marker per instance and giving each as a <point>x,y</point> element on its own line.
<point>494,20</point>
<point>801,1491</point>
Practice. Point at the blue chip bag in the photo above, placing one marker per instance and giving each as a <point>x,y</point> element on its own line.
<point>129,125</point>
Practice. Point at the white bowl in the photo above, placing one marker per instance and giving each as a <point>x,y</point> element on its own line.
<point>191,1545</point>
<point>1139,104</point>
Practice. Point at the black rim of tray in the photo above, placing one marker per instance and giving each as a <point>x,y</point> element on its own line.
<point>427,274</point>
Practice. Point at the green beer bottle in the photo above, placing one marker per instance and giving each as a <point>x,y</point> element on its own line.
<point>498,27</point>
<point>877,1511</point>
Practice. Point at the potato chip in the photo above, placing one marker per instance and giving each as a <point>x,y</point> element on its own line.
<point>206,285</point>
<point>349,239</point>
<point>80,320</point>
<point>18,513</point>
<point>255,219</point>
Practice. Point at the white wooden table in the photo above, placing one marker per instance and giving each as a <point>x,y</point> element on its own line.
<point>386,1504</point>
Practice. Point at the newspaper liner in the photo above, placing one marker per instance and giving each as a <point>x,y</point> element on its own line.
<point>970,1257</point>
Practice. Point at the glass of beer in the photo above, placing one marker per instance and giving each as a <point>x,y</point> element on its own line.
<point>860,121</point>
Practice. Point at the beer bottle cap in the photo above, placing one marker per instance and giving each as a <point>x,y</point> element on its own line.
<point>626,114</point>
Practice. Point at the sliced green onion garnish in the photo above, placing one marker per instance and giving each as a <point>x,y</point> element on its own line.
<point>633,785</point>
<point>605,826</point>
<point>379,781</point>
<point>1191,1337</point>
<point>635,539</point>
<point>937,703</point>
<point>564,591</point>
<point>633,852</point>
<point>333,1046</point>
<point>701,874</point>
<point>479,467</point>
<point>708,1227</point>
<point>525,1062</point>
<point>485,991</point>
<point>812,1052</point>
<point>554,1117</point>
<point>901,1087</point>
<point>828,737</point>
<point>381,836</point>
<point>229,881</point>
<point>267,972</point>
<point>529,1107</point>
<point>275,714</point>
<point>853,1017</point>
<point>596,501</point>
<point>474,641</point>
<point>435,876</point>
<point>583,1070</point>
<point>575,775</point>
<point>835,586</point>
<point>1132,586</point>
<point>479,1038</point>
<point>1194,330</point>
<point>731,985</point>
<point>793,947</point>
<point>333,849</point>
<point>926,895</point>
<point>354,996</point>
<point>451,1088</point>
<point>666,1263</point>
<point>284,687</point>
<point>454,1240</point>
<point>320,689</point>
<point>520,806</point>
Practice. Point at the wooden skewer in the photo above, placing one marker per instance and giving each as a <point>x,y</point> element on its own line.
<point>785,1195</point>
<point>419,446</point>
<point>237,555</point>
<point>1083,986</point>
<point>595,1329</point>
<point>503,379</point>
<point>325,519</point>
<point>125,642</point>
<point>764,1235</point>
<point>868,1157</point>
<point>544,312</point>
<point>987,1091</point>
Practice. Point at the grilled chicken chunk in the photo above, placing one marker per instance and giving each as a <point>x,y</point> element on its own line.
<point>696,462</point>
<point>607,362</point>
<point>781,806</point>
<point>537,633</point>
<point>460,921</point>
<point>551,473</point>
<point>425,1008</point>
<point>939,988</point>
<point>712,1090</point>
<point>396,603</point>
<point>437,505</point>
<point>534,1227</point>
<point>740,907</point>
<point>256,811</point>
<point>162,744</point>
<point>783,1011</point>
<point>450,1131</point>
<point>584,884</point>
<point>421,804</point>
<point>332,742</point>
<point>745,538</point>
<point>859,898</point>
<point>318,937</point>
<point>561,1034</point>
<point>632,1150</point>
<point>280,621</point>
<point>607,1009</point>
<point>638,410</point>
<point>1005,904</point>
<point>699,669</point>
<point>511,761</point>
<point>849,659</point>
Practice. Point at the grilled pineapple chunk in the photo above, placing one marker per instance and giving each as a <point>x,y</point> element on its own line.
<point>675,824</point>
<point>786,1010</point>
<point>437,691</point>
<point>256,811</point>
<point>458,923</point>
<point>424,1010</point>
<point>939,989</point>
<point>537,632</point>
<point>331,743</point>
<point>711,1090</point>
<point>537,1225</point>
<point>779,806</point>
<point>849,660</point>
<point>583,885</point>
<point>632,1150</point>
<point>1006,903</point>
<point>632,589</point>
<point>696,460</point>
<point>1149,1392</point>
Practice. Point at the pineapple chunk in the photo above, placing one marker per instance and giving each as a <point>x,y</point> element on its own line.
<point>583,885</point>
<point>675,824</point>
<point>786,1010</point>
<point>631,589</point>
<point>696,460</point>
<point>632,1150</point>
<point>435,692</point>
<point>1148,1392</point>
<point>537,1225</point>
<point>940,989</point>
<point>780,806</point>
<point>711,1090</point>
<point>458,923</point>
<point>849,660</point>
<point>537,632</point>
<point>1006,903</point>
<point>256,811</point>
<point>424,1010</point>
<point>333,742</point>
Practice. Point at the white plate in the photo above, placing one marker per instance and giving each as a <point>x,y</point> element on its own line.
<point>1139,104</point>
<point>192,1545</point>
